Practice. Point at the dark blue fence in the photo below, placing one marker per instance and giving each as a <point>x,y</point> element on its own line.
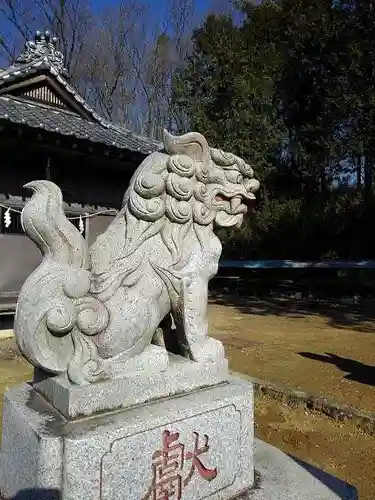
<point>295,264</point>
<point>319,279</point>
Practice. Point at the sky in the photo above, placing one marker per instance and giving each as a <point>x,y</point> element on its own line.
<point>199,4</point>
<point>160,5</point>
<point>157,4</point>
<point>158,12</point>
<point>158,8</point>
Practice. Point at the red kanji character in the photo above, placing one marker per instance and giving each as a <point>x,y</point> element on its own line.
<point>166,464</point>
<point>207,474</point>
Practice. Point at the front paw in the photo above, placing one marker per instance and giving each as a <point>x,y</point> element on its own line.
<point>207,350</point>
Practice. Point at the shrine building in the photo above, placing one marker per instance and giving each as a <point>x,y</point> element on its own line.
<point>48,131</point>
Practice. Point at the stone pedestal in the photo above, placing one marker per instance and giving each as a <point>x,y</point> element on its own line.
<point>193,446</point>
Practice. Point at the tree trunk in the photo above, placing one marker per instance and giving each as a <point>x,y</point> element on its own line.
<point>358,164</point>
<point>368,175</point>
<point>323,178</point>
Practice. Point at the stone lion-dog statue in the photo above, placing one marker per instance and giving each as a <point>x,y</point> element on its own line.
<point>144,281</point>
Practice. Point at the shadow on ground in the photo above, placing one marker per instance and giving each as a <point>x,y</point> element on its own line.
<point>359,317</point>
<point>37,494</point>
<point>342,489</point>
<point>356,371</point>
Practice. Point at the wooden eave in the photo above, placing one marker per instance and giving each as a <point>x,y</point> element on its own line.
<point>103,157</point>
<point>19,89</point>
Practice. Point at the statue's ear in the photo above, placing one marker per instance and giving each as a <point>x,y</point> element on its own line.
<point>192,144</point>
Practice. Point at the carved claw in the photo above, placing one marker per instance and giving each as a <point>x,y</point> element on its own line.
<point>207,349</point>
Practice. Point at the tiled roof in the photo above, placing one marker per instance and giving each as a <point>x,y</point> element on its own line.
<point>17,72</point>
<point>39,116</point>
<point>39,57</point>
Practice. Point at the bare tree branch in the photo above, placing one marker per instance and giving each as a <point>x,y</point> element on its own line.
<point>120,58</point>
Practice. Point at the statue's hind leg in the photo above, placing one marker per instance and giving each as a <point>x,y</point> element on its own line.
<point>190,316</point>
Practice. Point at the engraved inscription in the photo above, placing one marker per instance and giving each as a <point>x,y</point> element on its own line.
<point>196,464</point>
<point>172,461</point>
<point>168,467</point>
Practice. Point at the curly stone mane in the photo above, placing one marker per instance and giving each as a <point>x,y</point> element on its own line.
<point>169,195</point>
<point>179,188</point>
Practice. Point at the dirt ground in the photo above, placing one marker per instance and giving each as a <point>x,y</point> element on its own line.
<point>336,447</point>
<point>325,351</point>
<point>289,345</point>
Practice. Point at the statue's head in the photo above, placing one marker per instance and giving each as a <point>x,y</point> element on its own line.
<point>226,186</point>
<point>194,182</point>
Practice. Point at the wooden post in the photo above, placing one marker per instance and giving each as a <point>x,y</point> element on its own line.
<point>87,227</point>
<point>48,169</point>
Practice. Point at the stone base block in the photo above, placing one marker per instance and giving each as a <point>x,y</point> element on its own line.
<point>282,477</point>
<point>193,446</point>
<point>180,375</point>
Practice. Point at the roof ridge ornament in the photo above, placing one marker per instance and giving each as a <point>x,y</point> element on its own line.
<point>43,46</point>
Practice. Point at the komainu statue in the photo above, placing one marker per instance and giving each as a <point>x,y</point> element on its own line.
<point>144,281</point>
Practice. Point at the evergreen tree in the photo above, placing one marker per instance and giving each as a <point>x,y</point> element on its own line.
<point>291,89</point>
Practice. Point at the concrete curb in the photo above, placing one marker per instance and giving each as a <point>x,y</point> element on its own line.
<point>362,419</point>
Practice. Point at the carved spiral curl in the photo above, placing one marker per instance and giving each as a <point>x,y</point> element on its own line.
<point>86,366</point>
<point>148,210</point>
<point>149,185</point>
<point>229,160</point>
<point>181,165</point>
<point>60,319</point>
<point>203,173</point>
<point>178,187</point>
<point>202,214</point>
<point>222,158</point>
<point>88,313</point>
<point>92,316</point>
<point>178,211</point>
<point>202,193</point>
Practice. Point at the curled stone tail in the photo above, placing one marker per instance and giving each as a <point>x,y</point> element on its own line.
<point>44,221</point>
<point>54,310</point>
